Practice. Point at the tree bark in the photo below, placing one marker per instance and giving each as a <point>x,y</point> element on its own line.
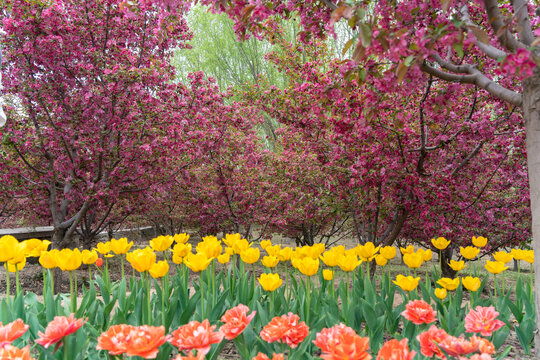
<point>531,114</point>
<point>446,270</point>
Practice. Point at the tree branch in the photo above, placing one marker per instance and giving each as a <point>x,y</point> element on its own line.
<point>494,16</point>
<point>524,24</point>
<point>487,49</point>
<point>471,75</point>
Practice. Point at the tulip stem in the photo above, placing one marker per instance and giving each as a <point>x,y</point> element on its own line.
<point>71,293</point>
<point>44,283</point>
<point>202,295</point>
<point>7,284</point>
<point>245,349</point>
<point>163,302</point>
<point>89,277</point>
<point>440,261</point>
<point>531,279</point>
<point>66,352</point>
<point>495,286</point>
<point>122,265</point>
<point>308,298</point>
<point>287,281</point>
<point>348,290</point>
<point>214,283</point>
<point>17,283</point>
<point>148,297</point>
<point>51,276</point>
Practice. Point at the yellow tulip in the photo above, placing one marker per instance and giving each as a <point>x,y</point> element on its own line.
<point>330,258</point>
<point>471,283</point>
<point>449,284</point>
<point>265,244</point>
<point>273,250</point>
<point>518,254</point>
<point>7,245</point>
<point>406,283</point>
<point>159,269</point>
<point>381,260</point>
<point>340,249</point>
<point>367,252</point>
<point>389,252</point>
<point>503,256</point>
<point>229,251</point>
<point>161,243</point>
<point>231,239</point>
<point>270,261</point>
<point>181,250</point>
<point>413,260</point>
<point>479,241</point>
<point>457,265</point>
<point>223,258</point>
<point>181,238</point>
<point>141,259</point>
<point>89,257</point>
<point>495,267</point>
<point>270,282</point>
<point>308,266</point>
<point>69,260</point>
<point>121,246</point>
<point>408,250</point>
<point>250,255</point>
<point>469,252</point>
<point>349,262</point>
<point>34,247</point>
<point>317,250</point>
<point>328,274</point>
<point>197,262</point>
<point>18,253</point>
<point>14,267</point>
<point>47,259</point>
<point>211,246</point>
<point>426,254</point>
<point>440,293</point>
<point>440,243</point>
<point>285,254</point>
<point>177,259</point>
<point>529,256</point>
<point>103,248</point>
<point>241,245</point>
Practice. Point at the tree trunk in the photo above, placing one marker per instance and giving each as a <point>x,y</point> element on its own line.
<point>531,113</point>
<point>446,270</point>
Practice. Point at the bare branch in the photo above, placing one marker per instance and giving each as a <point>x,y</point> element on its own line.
<point>506,39</point>
<point>524,24</point>
<point>467,159</point>
<point>487,49</point>
<point>471,75</point>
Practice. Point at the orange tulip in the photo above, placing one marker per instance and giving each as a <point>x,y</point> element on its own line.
<point>287,329</point>
<point>196,336</point>
<point>396,350</point>
<point>12,331</point>
<point>59,328</point>
<point>141,341</point>
<point>235,321</point>
<point>9,352</point>
<point>419,312</point>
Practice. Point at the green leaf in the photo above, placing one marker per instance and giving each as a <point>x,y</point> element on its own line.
<point>500,336</point>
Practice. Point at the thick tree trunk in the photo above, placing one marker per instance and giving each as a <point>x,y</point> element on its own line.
<point>531,110</point>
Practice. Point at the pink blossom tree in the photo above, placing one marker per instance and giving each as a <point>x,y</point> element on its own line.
<point>92,127</point>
